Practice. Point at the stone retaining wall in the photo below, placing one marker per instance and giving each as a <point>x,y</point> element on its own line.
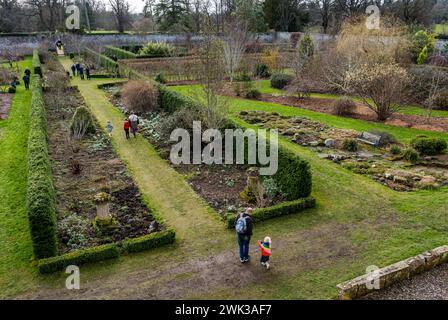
<point>393,273</point>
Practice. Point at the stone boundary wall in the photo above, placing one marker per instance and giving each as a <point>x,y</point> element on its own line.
<point>393,273</point>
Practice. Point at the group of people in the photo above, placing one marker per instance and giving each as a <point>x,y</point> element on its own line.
<point>130,126</point>
<point>26,80</point>
<point>78,70</point>
<point>244,230</point>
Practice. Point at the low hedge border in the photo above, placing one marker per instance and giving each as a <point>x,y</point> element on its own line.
<point>111,51</point>
<point>107,251</point>
<point>150,241</point>
<point>78,257</point>
<point>282,209</point>
<point>36,63</point>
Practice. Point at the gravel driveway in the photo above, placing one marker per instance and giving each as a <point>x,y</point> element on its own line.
<point>431,285</point>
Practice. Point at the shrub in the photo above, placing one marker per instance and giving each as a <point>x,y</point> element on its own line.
<point>441,100</point>
<point>395,150</point>
<point>150,241</point>
<point>160,78</point>
<point>157,49</point>
<point>243,77</point>
<point>429,146</point>
<point>112,51</point>
<point>36,63</point>
<point>344,107</point>
<point>81,123</point>
<point>280,80</point>
<point>11,90</point>
<point>262,70</point>
<point>73,230</point>
<point>139,96</point>
<point>40,190</point>
<point>411,155</point>
<point>282,209</point>
<point>79,257</point>
<point>350,145</point>
<point>72,55</point>
<point>253,94</point>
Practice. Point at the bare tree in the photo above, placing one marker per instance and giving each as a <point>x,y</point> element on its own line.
<point>121,11</point>
<point>381,86</point>
<point>234,46</point>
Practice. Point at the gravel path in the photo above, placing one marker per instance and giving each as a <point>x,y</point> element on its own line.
<point>431,285</point>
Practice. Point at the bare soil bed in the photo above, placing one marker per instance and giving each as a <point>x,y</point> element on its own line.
<point>82,169</point>
<point>5,104</point>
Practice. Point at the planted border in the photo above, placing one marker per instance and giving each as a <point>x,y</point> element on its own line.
<point>40,190</point>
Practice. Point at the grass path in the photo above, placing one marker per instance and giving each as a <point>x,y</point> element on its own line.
<point>15,243</point>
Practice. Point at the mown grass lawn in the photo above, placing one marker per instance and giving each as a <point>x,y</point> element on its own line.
<point>264,86</point>
<point>16,272</point>
<point>441,28</point>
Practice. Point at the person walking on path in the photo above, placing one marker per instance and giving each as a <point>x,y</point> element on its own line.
<point>77,67</point>
<point>243,227</point>
<point>28,72</point>
<point>26,81</point>
<point>81,72</point>
<point>134,123</point>
<point>88,72</point>
<point>127,126</point>
<point>109,128</point>
<point>265,249</point>
<point>74,69</point>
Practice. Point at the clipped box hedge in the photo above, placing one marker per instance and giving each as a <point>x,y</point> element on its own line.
<point>111,51</point>
<point>36,63</point>
<point>41,203</point>
<point>171,101</point>
<point>150,241</point>
<point>79,257</point>
<point>278,210</point>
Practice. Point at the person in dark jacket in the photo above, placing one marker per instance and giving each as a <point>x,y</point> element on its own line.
<point>26,81</point>
<point>77,66</point>
<point>88,72</point>
<point>28,72</point>
<point>244,227</point>
<point>74,70</point>
<point>81,72</point>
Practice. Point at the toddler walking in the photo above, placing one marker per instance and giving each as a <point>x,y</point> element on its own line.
<point>109,128</point>
<point>265,249</point>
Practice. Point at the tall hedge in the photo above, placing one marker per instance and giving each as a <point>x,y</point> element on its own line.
<point>112,51</point>
<point>36,63</point>
<point>171,101</point>
<point>40,190</point>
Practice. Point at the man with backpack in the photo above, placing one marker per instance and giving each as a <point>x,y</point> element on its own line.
<point>243,227</point>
